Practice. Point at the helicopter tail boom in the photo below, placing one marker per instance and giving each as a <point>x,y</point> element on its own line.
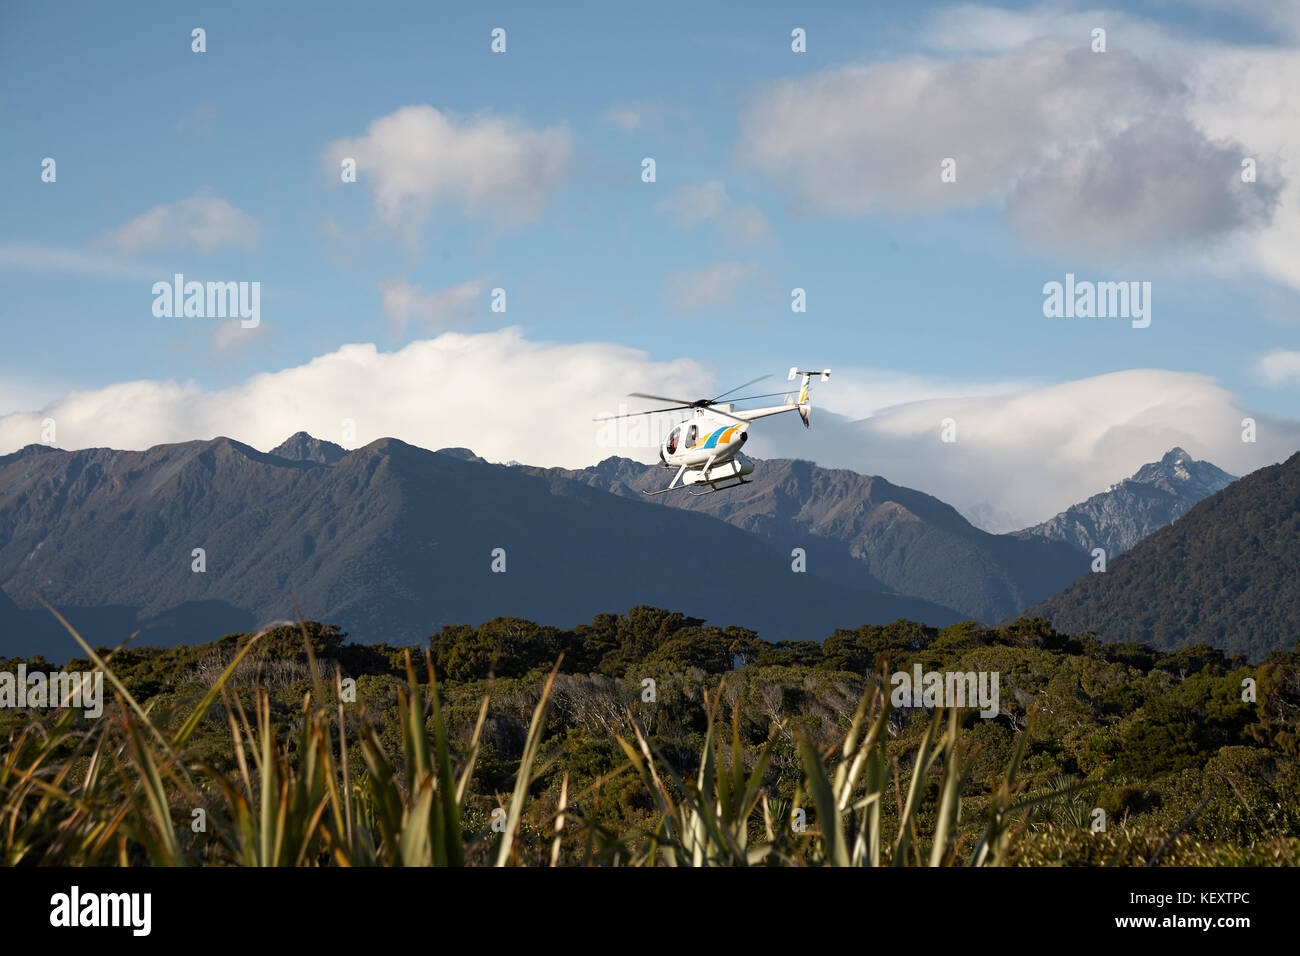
<point>801,404</point>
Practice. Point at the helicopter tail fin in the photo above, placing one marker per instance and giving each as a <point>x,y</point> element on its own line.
<point>804,405</point>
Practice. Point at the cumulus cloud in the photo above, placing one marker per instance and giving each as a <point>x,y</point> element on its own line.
<point>417,158</point>
<point>1155,185</point>
<point>403,303</point>
<point>1280,367</point>
<point>709,202</point>
<point>1094,152</point>
<point>203,222</point>
<point>1249,94</point>
<point>858,139</point>
<point>711,286</point>
<point>498,393</point>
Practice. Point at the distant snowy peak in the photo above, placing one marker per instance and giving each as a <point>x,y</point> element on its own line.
<point>1129,510</point>
<point>1180,473</point>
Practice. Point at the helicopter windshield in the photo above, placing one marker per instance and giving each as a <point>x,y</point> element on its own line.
<point>671,445</point>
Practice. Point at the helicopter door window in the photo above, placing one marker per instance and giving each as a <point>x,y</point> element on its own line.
<point>672,440</point>
<point>691,434</point>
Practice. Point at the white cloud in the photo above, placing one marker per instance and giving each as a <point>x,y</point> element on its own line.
<point>417,157</point>
<point>858,139</point>
<point>712,286</point>
<point>860,392</point>
<point>403,302</point>
<point>708,201</point>
<point>1136,148</point>
<point>1250,94</point>
<point>203,222</point>
<point>1159,184</point>
<point>498,393</point>
<point>1280,367</point>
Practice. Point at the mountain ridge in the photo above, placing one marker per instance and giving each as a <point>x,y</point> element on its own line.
<point>909,541</point>
<point>1227,574</point>
<point>1157,494</point>
<point>390,541</point>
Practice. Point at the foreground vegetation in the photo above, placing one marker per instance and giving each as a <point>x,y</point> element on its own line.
<point>650,739</point>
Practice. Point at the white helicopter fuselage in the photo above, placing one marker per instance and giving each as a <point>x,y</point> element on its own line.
<point>705,437</point>
<point>705,448</point>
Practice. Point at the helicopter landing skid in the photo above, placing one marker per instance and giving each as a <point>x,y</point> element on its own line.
<point>663,491</point>
<point>716,488</point>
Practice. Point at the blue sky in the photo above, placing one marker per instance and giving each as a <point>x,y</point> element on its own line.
<point>948,292</point>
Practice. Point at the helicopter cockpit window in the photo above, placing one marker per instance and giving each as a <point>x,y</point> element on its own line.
<point>671,447</point>
<point>691,434</point>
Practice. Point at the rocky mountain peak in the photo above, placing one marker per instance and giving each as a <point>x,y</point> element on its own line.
<point>1181,474</point>
<point>1129,510</point>
<point>301,446</point>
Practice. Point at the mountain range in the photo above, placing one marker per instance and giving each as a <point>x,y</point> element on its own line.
<point>856,526</point>
<point>389,541</point>
<point>392,542</point>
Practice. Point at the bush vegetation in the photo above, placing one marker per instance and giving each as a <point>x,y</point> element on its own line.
<point>652,739</point>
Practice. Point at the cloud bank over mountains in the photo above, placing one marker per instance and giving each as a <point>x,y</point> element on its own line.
<point>1020,455</point>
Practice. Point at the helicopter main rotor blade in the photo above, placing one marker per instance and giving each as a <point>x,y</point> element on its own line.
<point>652,411</point>
<point>739,387</point>
<point>718,411</point>
<point>684,402</point>
<point>747,398</point>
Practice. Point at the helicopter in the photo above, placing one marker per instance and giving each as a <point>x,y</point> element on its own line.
<point>704,448</point>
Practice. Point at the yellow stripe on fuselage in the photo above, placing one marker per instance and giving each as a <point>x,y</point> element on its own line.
<point>724,436</point>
